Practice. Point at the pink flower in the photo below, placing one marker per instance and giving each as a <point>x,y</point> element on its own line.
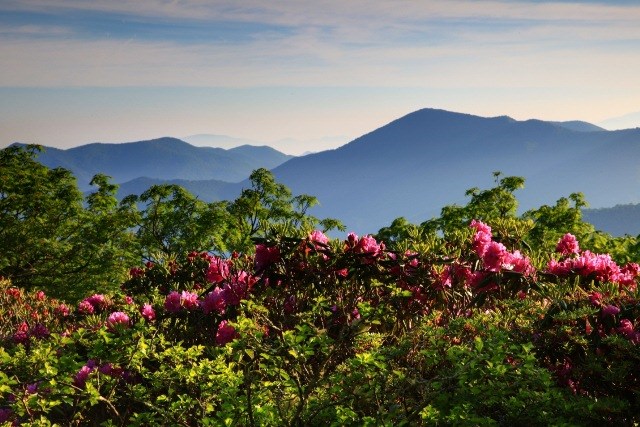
<point>561,269</point>
<point>40,296</point>
<point>147,312</point>
<point>85,307</point>
<point>214,302</point>
<point>5,414</point>
<point>189,300</point>
<point>480,227</point>
<point>225,334</point>
<point>318,236</point>
<point>517,262</point>
<point>128,300</point>
<point>40,331</point>
<point>265,256</point>
<point>568,245</point>
<point>610,310</point>
<point>98,301</point>
<point>21,336</point>
<point>494,256</point>
<point>218,270</point>
<point>116,320</point>
<point>626,329</point>
<point>172,302</point>
<point>62,310</point>
<point>81,377</point>
<point>368,245</point>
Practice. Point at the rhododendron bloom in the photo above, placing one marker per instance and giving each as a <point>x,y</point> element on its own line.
<point>147,312</point>
<point>136,272</point>
<point>517,262</point>
<point>172,302</point>
<point>40,331</point>
<point>568,245</point>
<point>214,302</point>
<point>218,270</point>
<point>40,296</point>
<point>494,256</point>
<point>80,379</point>
<point>32,388</point>
<point>480,227</point>
<point>117,319</point>
<point>21,336</point>
<point>61,310</point>
<point>98,301</point>
<point>368,245</point>
<point>610,310</point>
<point>318,236</point>
<point>626,328</point>
<point>85,307</point>
<point>225,334</point>
<point>189,300</point>
<point>265,256</point>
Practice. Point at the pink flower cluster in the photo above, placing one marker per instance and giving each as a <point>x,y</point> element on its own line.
<point>23,333</point>
<point>116,320</point>
<point>218,270</point>
<point>494,255</point>
<point>265,256</point>
<point>226,333</point>
<point>589,265</point>
<point>80,379</point>
<point>92,304</point>
<point>365,245</point>
<point>176,301</point>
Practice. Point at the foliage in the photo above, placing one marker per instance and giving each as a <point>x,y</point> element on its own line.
<point>479,317</point>
<point>50,237</point>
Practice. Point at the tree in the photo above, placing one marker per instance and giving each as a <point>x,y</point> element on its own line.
<point>48,238</point>
<point>268,209</point>
<point>174,222</point>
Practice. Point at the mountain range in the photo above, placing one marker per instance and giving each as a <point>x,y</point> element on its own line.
<point>411,167</point>
<point>161,159</point>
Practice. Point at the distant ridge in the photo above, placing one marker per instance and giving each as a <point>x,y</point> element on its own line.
<point>418,163</point>
<point>163,158</point>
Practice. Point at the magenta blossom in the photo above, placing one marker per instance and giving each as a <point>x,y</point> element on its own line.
<point>116,320</point>
<point>85,307</point>
<point>218,270</point>
<point>610,310</point>
<point>147,312</point>
<point>265,256</point>
<point>214,302</point>
<point>172,302</point>
<point>225,334</point>
<point>568,245</point>
<point>189,300</point>
<point>318,236</point>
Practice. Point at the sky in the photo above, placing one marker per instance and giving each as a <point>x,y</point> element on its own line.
<point>305,76</point>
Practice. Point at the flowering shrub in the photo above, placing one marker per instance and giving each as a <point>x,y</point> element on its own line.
<point>313,331</point>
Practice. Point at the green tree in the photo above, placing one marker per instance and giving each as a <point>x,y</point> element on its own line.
<point>174,222</point>
<point>268,209</point>
<point>50,238</point>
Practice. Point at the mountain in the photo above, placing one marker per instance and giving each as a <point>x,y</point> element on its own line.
<point>164,159</point>
<point>627,121</point>
<point>579,126</point>
<point>415,165</point>
<point>207,190</point>
<point>617,221</point>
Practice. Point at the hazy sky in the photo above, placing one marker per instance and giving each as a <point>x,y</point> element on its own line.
<point>74,72</point>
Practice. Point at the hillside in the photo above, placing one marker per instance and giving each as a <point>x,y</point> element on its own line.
<point>617,221</point>
<point>415,165</point>
<point>162,159</point>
